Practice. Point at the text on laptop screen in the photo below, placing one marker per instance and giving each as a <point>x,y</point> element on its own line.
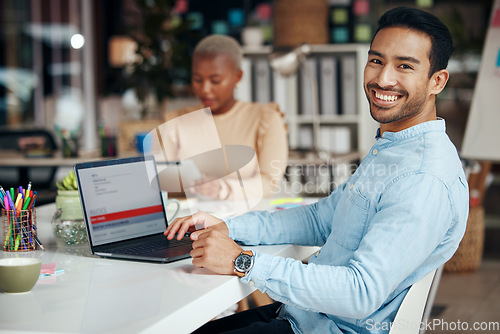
<point>120,202</point>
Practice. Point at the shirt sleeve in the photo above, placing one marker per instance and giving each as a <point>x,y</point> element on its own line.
<point>306,225</point>
<point>407,228</point>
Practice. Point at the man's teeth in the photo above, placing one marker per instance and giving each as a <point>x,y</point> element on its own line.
<point>386,97</point>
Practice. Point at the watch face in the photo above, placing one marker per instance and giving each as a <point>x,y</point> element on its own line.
<point>243,262</point>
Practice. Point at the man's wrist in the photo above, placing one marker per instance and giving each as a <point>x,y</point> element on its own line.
<point>243,263</point>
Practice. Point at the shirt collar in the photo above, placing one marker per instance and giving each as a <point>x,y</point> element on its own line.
<point>437,125</point>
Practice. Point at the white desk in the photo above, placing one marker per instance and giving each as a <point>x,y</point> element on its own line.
<point>112,296</point>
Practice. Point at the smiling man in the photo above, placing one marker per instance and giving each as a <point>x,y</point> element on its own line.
<point>400,216</point>
<point>406,69</point>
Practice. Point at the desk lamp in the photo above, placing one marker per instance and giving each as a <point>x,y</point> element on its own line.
<point>288,64</point>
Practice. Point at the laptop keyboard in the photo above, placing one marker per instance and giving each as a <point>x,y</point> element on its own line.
<point>155,245</point>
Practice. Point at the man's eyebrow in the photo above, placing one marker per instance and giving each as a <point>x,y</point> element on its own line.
<point>410,59</point>
<point>375,53</point>
<point>400,58</point>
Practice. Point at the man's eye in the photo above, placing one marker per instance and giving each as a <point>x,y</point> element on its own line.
<point>375,61</point>
<point>406,67</point>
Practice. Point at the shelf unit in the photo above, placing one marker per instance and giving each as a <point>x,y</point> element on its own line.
<point>304,105</point>
<point>341,121</point>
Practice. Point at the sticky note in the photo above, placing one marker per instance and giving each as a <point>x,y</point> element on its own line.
<point>340,35</point>
<point>48,268</point>
<point>282,201</point>
<point>340,16</point>
<point>361,7</point>
<point>362,33</point>
<point>425,3</point>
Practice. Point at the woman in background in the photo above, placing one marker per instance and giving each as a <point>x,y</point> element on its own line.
<point>216,72</point>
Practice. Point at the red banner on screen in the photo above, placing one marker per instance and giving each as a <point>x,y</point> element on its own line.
<point>126,214</point>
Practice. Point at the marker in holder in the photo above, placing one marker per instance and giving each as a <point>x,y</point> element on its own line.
<point>19,230</point>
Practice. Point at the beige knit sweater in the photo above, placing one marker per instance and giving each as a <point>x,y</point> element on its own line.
<point>187,134</point>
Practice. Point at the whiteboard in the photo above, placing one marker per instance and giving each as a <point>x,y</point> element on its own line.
<point>482,134</point>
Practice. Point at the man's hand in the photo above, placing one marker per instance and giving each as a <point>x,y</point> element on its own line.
<point>215,251</point>
<point>200,220</point>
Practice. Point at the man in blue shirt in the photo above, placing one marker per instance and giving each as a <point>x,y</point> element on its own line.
<point>400,216</point>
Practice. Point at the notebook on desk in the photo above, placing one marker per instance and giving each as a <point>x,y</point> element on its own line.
<point>124,212</point>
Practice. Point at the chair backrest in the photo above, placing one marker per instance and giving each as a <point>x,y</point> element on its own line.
<point>34,143</point>
<point>431,297</point>
<point>11,138</point>
<point>411,313</point>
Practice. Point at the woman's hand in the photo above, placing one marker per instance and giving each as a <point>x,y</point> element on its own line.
<point>199,221</point>
<point>209,189</point>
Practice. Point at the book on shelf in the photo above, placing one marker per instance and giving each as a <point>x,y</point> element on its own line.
<point>334,139</point>
<point>306,137</point>
<point>328,86</point>
<point>244,89</point>
<point>308,78</point>
<point>262,75</point>
<point>348,84</point>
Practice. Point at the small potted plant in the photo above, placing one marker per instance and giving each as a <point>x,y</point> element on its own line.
<point>67,223</point>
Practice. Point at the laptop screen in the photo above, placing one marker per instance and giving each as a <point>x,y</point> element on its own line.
<point>121,199</point>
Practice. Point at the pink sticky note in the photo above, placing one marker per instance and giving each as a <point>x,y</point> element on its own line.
<point>48,268</point>
<point>361,7</point>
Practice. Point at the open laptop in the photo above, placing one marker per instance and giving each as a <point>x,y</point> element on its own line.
<point>124,212</point>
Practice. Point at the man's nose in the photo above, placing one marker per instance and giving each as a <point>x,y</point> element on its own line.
<point>387,77</point>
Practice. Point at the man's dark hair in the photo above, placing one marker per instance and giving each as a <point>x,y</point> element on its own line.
<point>420,21</point>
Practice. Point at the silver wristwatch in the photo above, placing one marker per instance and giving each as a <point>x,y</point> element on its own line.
<point>243,263</point>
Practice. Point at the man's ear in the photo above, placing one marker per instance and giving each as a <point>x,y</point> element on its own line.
<point>438,81</point>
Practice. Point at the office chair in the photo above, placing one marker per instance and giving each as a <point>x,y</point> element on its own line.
<point>32,142</point>
<point>417,304</point>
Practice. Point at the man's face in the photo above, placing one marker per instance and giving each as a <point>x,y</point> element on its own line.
<point>396,78</point>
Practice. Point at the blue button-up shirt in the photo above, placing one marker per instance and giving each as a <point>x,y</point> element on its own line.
<point>401,215</point>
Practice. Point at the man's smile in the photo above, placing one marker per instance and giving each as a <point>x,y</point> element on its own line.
<point>386,98</point>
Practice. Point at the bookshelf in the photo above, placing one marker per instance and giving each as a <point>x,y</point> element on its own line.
<point>337,70</point>
<point>336,111</point>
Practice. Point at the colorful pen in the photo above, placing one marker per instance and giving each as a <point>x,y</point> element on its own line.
<point>11,201</point>
<point>28,189</point>
<point>18,200</point>
<point>26,203</point>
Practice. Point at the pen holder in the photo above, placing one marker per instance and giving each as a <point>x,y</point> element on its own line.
<point>19,230</point>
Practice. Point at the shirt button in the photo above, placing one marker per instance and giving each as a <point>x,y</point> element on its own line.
<point>352,186</point>
<point>317,253</point>
<point>375,151</point>
<point>251,283</point>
